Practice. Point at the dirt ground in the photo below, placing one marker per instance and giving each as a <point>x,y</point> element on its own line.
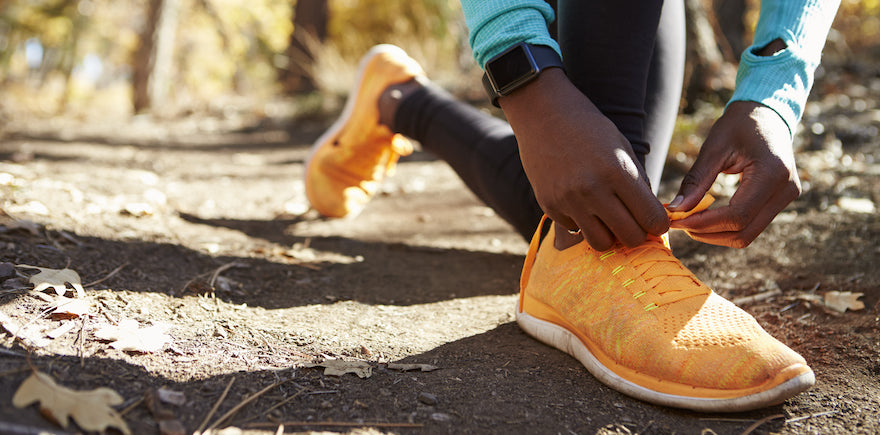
<point>201,224</point>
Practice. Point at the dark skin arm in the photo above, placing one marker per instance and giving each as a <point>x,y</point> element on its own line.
<point>582,169</point>
<point>752,140</point>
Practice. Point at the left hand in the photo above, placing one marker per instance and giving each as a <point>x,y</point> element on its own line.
<point>748,139</point>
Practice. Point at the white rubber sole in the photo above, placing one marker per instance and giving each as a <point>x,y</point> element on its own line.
<point>560,338</point>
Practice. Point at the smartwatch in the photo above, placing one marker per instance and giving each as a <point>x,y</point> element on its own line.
<point>516,66</point>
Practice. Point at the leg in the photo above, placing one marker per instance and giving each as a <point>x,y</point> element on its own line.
<point>664,87</point>
<point>607,52</point>
<point>479,147</point>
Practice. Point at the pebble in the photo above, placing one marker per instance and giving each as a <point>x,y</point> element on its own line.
<point>441,417</point>
<point>7,270</point>
<point>427,398</point>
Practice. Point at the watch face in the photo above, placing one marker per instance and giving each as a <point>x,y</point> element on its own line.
<point>509,69</point>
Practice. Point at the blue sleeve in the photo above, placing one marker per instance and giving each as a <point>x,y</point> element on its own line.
<point>495,25</point>
<point>783,81</point>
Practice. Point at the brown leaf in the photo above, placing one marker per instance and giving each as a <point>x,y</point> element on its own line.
<point>92,410</point>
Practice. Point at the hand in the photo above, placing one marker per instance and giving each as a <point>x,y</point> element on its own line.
<point>582,169</point>
<point>749,139</point>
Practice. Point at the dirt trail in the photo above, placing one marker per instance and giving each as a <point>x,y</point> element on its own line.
<point>425,275</point>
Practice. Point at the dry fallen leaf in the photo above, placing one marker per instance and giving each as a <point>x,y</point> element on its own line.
<point>842,301</point>
<point>61,330</point>
<point>29,334</point>
<point>408,367</point>
<point>67,308</point>
<point>57,279</point>
<point>338,367</point>
<point>91,409</point>
<point>127,335</point>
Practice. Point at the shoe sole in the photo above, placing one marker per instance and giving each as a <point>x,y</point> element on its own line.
<point>350,103</point>
<point>561,338</point>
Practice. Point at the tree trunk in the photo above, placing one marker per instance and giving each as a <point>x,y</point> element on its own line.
<point>706,70</point>
<point>153,62</point>
<point>309,27</point>
<point>731,20</point>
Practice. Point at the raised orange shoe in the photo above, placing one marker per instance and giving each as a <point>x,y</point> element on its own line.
<point>643,324</point>
<point>349,161</point>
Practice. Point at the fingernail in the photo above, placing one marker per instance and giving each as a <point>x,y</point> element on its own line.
<point>676,202</point>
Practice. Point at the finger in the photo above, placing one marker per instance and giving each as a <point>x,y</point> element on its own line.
<point>562,221</point>
<point>619,220</point>
<point>698,180</point>
<point>640,203</point>
<point>759,194</point>
<point>742,237</point>
<point>596,234</point>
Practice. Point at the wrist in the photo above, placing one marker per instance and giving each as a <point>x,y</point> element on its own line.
<point>516,67</point>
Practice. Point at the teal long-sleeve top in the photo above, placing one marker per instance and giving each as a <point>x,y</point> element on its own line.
<point>781,81</point>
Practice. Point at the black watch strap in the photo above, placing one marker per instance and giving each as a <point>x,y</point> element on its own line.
<point>516,66</point>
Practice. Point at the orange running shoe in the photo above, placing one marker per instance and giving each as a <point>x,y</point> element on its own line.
<point>348,162</point>
<point>644,325</point>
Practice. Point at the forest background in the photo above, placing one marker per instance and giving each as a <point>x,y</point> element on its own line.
<point>106,59</point>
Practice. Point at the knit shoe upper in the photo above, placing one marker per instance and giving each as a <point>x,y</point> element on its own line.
<point>643,324</point>
<point>349,161</point>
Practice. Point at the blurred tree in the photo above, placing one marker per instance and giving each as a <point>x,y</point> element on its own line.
<point>708,72</point>
<point>731,18</point>
<point>310,20</point>
<point>152,64</point>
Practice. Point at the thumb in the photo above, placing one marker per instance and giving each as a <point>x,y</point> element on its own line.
<point>696,183</point>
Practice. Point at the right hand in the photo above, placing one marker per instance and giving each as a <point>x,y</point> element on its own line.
<point>582,169</point>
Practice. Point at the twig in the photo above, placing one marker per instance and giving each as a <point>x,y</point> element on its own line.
<point>337,423</point>
<point>277,405</point>
<point>132,406</point>
<point>755,425</point>
<point>10,352</point>
<point>82,344</point>
<point>109,275</point>
<point>804,417</point>
<point>14,371</point>
<point>216,405</point>
<point>244,402</point>
<point>14,428</point>
<point>757,297</point>
<point>222,269</point>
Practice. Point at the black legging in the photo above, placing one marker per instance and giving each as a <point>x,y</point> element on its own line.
<point>626,56</point>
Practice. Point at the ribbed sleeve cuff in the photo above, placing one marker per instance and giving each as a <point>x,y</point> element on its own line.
<point>495,25</point>
<point>781,82</point>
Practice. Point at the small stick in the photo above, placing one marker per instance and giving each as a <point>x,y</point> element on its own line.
<point>755,425</point>
<point>756,298</point>
<point>132,406</point>
<point>216,405</point>
<point>82,345</point>
<point>222,269</point>
<point>109,275</point>
<point>278,405</point>
<point>244,402</point>
<point>804,417</point>
<point>337,423</point>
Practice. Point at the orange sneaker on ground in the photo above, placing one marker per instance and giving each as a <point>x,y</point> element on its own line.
<point>349,161</point>
<point>644,325</point>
